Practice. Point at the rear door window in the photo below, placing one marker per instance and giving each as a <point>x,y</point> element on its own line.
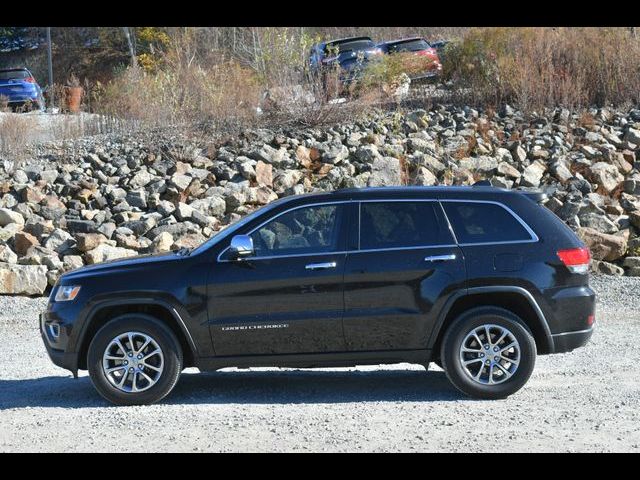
<point>484,223</point>
<point>401,224</point>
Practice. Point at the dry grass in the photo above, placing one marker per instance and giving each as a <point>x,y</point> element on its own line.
<point>226,93</point>
<point>534,68</point>
<point>14,136</point>
<point>220,81</point>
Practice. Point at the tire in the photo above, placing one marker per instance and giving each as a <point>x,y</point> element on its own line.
<point>491,381</point>
<point>162,369</point>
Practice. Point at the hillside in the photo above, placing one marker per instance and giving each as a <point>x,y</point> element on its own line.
<point>109,196</point>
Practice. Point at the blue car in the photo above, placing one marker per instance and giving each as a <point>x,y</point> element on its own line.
<point>349,54</point>
<point>20,89</point>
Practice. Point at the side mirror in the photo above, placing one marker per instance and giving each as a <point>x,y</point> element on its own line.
<point>241,247</point>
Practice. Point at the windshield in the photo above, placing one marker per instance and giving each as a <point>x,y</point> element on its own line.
<point>229,230</point>
<point>13,74</point>
<point>348,46</point>
<point>409,46</point>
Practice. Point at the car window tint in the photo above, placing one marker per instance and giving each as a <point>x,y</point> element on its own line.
<point>484,222</point>
<point>400,224</point>
<point>304,230</point>
<point>348,46</point>
<point>13,74</point>
<point>409,46</point>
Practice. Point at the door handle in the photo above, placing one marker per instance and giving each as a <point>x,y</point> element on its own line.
<point>321,266</point>
<point>440,258</point>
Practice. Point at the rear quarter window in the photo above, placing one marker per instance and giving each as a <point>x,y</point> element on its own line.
<point>484,223</point>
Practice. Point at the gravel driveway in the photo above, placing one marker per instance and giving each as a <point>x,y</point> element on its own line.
<point>587,400</point>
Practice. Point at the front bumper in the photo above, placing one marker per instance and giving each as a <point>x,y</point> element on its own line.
<point>55,340</point>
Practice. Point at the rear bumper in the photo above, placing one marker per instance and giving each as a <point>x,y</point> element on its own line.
<point>567,341</point>
<point>21,96</point>
<point>426,76</point>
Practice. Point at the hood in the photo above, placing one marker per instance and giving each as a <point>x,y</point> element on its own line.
<point>121,264</point>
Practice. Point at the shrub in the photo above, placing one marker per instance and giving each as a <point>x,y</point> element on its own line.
<point>226,94</point>
<point>545,67</point>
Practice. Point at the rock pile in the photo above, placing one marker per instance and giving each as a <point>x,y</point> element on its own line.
<point>119,196</point>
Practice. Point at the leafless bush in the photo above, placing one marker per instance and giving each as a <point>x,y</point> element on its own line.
<point>14,135</point>
<point>225,93</point>
<point>4,103</point>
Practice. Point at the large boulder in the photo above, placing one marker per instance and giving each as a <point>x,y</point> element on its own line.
<point>213,206</point>
<point>482,164</point>
<point>606,175</point>
<point>606,268</point>
<point>23,241</point>
<point>9,216</point>
<point>89,241</point>
<point>23,279</point>
<point>385,171</point>
<point>602,245</point>
<point>7,255</point>
<point>533,174</point>
<point>287,179</point>
<point>264,174</point>
<point>633,136</point>
<point>162,243</point>
<point>104,253</point>
<point>59,241</point>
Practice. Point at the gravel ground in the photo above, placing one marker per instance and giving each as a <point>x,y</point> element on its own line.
<point>586,400</point>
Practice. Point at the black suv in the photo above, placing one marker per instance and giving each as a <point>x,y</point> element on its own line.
<point>476,279</point>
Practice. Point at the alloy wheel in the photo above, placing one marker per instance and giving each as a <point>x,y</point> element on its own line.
<point>490,354</point>
<point>133,362</point>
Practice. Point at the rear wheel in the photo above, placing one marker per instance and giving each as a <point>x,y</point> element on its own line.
<point>488,353</point>
<point>134,359</point>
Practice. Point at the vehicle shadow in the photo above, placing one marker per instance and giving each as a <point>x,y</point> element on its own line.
<point>247,387</point>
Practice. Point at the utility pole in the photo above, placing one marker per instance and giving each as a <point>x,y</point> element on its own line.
<point>50,66</point>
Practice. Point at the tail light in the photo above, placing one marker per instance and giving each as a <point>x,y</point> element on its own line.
<point>427,51</point>
<point>576,259</point>
<point>30,80</point>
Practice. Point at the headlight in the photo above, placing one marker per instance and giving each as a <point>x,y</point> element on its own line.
<point>66,293</point>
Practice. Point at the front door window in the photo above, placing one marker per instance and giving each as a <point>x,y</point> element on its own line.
<point>306,230</point>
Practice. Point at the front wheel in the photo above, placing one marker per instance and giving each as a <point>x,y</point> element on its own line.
<point>134,360</point>
<point>488,353</point>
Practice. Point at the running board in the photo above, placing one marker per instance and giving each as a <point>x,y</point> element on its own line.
<point>316,360</point>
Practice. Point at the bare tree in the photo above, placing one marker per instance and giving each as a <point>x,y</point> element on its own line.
<point>132,50</point>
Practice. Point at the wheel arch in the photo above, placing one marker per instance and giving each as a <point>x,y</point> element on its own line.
<point>164,311</point>
<point>515,299</point>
